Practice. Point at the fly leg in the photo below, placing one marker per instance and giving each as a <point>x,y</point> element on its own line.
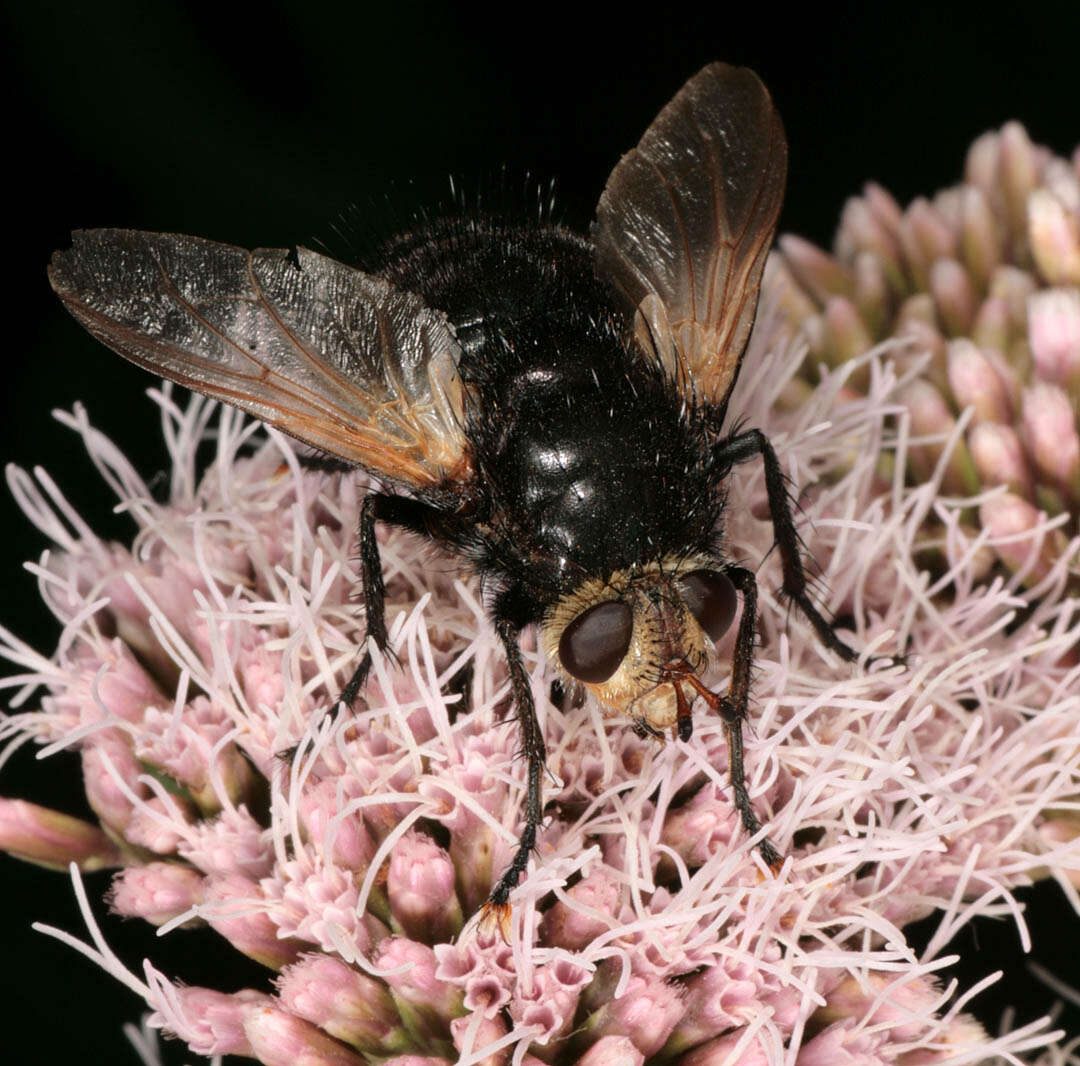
<point>741,448</point>
<point>497,908</point>
<point>394,510</point>
<point>732,708</point>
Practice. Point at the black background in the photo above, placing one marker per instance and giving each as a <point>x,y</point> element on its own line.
<point>261,126</point>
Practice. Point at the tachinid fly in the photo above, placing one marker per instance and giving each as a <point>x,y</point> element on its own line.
<point>550,408</point>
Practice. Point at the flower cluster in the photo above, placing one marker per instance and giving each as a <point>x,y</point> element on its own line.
<point>349,853</point>
<point>983,282</point>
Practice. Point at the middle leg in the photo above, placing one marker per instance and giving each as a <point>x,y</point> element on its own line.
<point>398,511</point>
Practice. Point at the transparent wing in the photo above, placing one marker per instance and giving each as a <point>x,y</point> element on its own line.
<point>332,356</point>
<point>686,220</point>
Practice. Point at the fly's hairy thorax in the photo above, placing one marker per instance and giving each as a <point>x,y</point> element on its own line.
<point>589,460</point>
<point>581,466</point>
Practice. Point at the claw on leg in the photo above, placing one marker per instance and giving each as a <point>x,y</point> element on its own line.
<point>495,918</point>
<point>684,718</point>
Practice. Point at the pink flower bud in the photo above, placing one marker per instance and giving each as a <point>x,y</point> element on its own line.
<point>48,838</point>
<point>953,296</point>
<point>931,417</point>
<point>187,747</point>
<point>1063,182</point>
<point>109,681</point>
<point>990,330</point>
<point>646,1012</point>
<point>874,296</point>
<point>1019,174</point>
<point>279,1038</point>
<point>817,340</point>
<point>612,1051</point>
<point>721,1052</point>
<point>981,164</point>
<point>1054,235</point>
<point>817,271</point>
<point>1014,288</point>
<point>930,414</point>
<point>469,1037</point>
<point>420,886</point>
<point>1008,375</point>
<point>1054,335</point>
<point>700,827</point>
<point>863,233</point>
<point>790,296</point>
<point>425,1002</point>
<point>1013,526</point>
<point>161,823</point>
<point>917,323</point>
<point>981,240</point>
<point>918,307</point>
<point>840,1046</point>
<point>346,841</point>
<point>131,617</point>
<point>111,777</point>
<point>883,206</point>
<point>999,457</point>
<point>317,902</point>
<point>474,850</point>
<point>903,1010</point>
<point>975,383</point>
<point>417,1060</point>
<point>592,908</point>
<point>964,1034</point>
<point>234,906</point>
<point>846,333</point>
<point>868,226</point>
<point>925,237</point>
<point>261,673</point>
<point>1063,830</point>
<point>157,892</point>
<point>212,1022</point>
<point>721,997</point>
<point>344,1002</point>
<point>1051,437</point>
<point>231,843</point>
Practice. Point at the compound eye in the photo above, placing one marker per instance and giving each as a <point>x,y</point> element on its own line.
<point>594,643</point>
<point>711,599</point>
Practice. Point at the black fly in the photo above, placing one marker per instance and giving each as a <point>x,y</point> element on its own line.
<point>548,407</point>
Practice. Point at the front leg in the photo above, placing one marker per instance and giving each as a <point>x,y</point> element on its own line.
<point>739,449</point>
<point>733,708</point>
<point>497,907</point>
<point>398,511</point>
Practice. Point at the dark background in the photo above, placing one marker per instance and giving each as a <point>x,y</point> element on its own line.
<point>262,126</point>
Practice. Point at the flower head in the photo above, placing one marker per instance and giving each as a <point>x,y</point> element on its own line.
<point>348,853</point>
<point>982,283</point>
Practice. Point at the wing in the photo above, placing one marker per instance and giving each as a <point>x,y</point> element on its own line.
<point>332,356</point>
<point>686,220</point>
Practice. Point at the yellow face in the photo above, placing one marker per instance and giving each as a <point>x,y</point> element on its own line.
<point>632,638</point>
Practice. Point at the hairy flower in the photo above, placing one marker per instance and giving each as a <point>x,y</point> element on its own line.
<point>982,284</point>
<point>349,852</point>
